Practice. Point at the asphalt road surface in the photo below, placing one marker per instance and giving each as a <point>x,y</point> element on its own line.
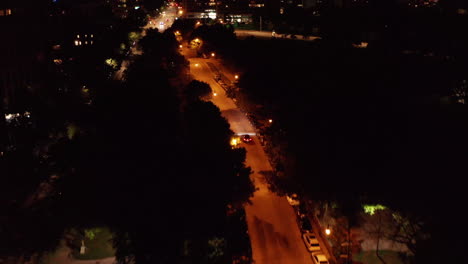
<point>273,231</point>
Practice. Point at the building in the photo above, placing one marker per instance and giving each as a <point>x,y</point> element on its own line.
<point>22,49</point>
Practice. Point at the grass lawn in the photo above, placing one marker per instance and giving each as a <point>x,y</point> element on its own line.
<point>369,257</point>
<point>98,248</point>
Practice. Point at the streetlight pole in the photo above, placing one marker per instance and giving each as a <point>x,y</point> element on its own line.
<point>260,23</point>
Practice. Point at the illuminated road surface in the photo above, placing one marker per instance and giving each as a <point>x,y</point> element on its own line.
<point>273,231</point>
<point>240,33</point>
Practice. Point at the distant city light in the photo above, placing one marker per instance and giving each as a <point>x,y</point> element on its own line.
<point>137,7</point>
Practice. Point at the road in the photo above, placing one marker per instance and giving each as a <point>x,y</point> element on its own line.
<point>274,234</point>
<point>268,35</point>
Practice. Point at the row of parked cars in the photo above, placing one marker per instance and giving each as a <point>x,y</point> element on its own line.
<point>308,235</point>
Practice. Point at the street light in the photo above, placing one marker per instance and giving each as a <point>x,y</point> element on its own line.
<point>327,230</point>
<point>270,121</point>
<point>212,54</point>
<point>236,76</point>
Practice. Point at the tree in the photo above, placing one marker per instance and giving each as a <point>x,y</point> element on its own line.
<point>197,90</point>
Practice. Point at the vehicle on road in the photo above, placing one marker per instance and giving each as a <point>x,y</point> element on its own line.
<point>311,242</point>
<point>319,258</point>
<point>304,224</point>
<point>293,199</point>
<point>246,139</point>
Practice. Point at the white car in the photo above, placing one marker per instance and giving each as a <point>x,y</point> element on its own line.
<point>293,200</point>
<point>311,242</point>
<point>319,258</point>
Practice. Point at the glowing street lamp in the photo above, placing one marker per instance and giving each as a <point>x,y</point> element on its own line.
<point>180,46</point>
<point>234,142</point>
<point>327,230</point>
<point>212,54</point>
<point>270,121</point>
<point>236,76</point>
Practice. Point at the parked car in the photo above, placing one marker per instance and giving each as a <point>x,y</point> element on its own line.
<point>293,199</point>
<point>301,210</point>
<point>311,242</point>
<point>304,224</point>
<point>319,258</point>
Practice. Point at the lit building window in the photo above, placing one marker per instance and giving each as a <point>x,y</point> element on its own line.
<point>91,42</point>
<point>8,12</point>
<point>77,42</point>
<point>77,36</point>
<point>86,42</point>
<point>92,35</point>
<point>86,35</point>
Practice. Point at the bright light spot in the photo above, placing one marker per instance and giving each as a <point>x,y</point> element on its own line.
<point>196,64</point>
<point>235,141</point>
<point>181,12</point>
<point>198,22</point>
<point>212,54</point>
<point>9,116</point>
<point>215,94</point>
<point>327,231</point>
<point>270,120</point>
<point>236,76</point>
<point>180,46</point>
<point>137,7</point>
<point>77,42</point>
